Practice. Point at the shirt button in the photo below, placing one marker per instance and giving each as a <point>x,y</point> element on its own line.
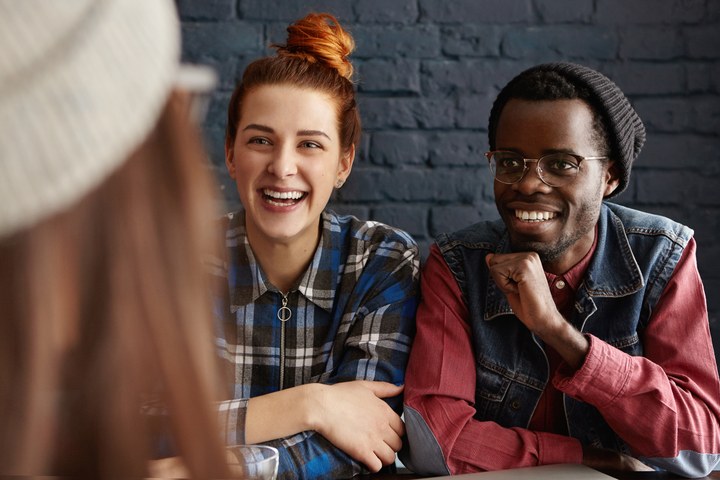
<point>515,405</point>
<point>560,284</point>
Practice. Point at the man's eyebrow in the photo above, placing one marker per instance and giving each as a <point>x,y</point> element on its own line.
<point>312,133</point>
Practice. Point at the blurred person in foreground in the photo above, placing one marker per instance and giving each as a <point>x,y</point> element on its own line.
<point>573,330</point>
<point>104,208</point>
<point>317,309</point>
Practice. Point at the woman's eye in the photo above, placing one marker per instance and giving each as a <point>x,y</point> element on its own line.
<point>310,144</point>
<point>259,141</point>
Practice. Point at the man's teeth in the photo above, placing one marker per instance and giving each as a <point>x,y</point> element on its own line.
<point>283,195</point>
<point>528,216</point>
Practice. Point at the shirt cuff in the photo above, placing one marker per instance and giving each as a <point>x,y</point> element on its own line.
<point>231,417</point>
<point>553,449</point>
<point>601,378</point>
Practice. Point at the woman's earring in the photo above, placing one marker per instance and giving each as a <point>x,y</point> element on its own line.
<point>339,183</point>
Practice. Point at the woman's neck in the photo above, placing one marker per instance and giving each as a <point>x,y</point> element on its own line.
<point>284,262</point>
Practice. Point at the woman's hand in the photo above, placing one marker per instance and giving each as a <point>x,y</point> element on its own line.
<point>353,416</point>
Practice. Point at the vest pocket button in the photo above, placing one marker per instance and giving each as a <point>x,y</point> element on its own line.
<point>515,404</point>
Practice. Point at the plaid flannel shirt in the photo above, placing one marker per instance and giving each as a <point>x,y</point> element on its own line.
<point>353,318</point>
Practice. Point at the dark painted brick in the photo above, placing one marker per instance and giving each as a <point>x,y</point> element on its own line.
<point>206,10</point>
<point>699,77</point>
<point>417,41</point>
<point>400,75</point>
<point>380,11</point>
<point>293,10</point>
<point>681,187</point>
<point>471,40</point>
<point>708,115</point>
<point>475,11</point>
<point>643,78</point>
<point>467,76</point>
<point>651,43</point>
<point>412,219</point>
<point>473,112</point>
<point>407,113</point>
<point>220,39</point>
<point>674,151</point>
<point>457,148</point>
<point>452,218</point>
<point>626,12</point>
<point>669,114</point>
<point>551,43</point>
<point>713,11</point>
<point>399,148</point>
<point>702,42</point>
<point>564,11</point>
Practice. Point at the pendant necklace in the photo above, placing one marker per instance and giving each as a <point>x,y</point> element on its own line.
<point>284,313</point>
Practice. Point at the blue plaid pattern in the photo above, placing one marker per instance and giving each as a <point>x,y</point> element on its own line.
<point>352,318</point>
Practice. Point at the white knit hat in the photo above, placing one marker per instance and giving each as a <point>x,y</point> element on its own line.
<point>82,83</point>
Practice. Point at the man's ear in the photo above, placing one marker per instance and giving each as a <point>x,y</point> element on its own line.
<point>612,178</point>
<point>230,159</point>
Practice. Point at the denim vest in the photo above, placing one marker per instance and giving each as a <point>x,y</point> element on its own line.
<point>635,257</point>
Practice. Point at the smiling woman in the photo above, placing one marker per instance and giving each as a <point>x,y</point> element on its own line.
<point>317,309</point>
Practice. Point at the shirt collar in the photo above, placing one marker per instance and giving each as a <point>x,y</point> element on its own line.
<point>248,281</point>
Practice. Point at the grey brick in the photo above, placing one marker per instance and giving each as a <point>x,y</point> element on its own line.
<point>476,11</point>
<point>668,187</point>
<point>412,219</point>
<point>699,77</point>
<point>417,41</point>
<point>291,10</point>
<point>473,112</point>
<point>399,148</point>
<point>220,39</point>
<point>626,12</point>
<point>707,118</point>
<point>651,43</point>
<point>647,78</point>
<point>467,76</point>
<point>703,41</point>
<point>667,114</point>
<point>553,42</point>
<point>674,151</point>
<point>448,219</point>
<point>564,11</point>
<point>407,113</point>
<point>457,148</point>
<point>384,11</point>
<point>206,10</point>
<point>471,40</point>
<point>393,75</point>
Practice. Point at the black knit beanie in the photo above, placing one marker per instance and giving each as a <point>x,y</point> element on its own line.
<point>625,130</point>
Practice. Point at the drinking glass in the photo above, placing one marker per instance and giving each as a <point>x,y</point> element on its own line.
<point>253,462</point>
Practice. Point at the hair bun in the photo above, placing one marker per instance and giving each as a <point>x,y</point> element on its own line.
<point>318,37</point>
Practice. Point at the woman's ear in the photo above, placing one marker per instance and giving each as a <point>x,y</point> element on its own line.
<point>230,159</point>
<point>345,166</point>
<point>612,178</point>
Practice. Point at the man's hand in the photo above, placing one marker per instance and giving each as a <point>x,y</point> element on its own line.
<point>353,416</point>
<point>522,279</point>
<point>610,460</point>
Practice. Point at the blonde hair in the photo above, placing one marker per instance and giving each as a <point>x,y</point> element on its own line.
<point>315,56</point>
<point>105,306</point>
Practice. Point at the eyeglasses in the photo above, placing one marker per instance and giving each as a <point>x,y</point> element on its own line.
<point>555,169</point>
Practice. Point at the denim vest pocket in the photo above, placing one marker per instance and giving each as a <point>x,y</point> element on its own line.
<point>490,391</point>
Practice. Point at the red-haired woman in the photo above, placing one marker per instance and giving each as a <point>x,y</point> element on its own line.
<point>318,313</point>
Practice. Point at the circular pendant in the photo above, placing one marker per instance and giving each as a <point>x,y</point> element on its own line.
<point>284,314</point>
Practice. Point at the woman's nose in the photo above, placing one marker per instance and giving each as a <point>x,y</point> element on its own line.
<point>283,163</point>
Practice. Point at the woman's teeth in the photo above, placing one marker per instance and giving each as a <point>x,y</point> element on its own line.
<point>527,216</point>
<point>282,198</point>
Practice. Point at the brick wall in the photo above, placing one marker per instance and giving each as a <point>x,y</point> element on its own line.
<point>428,71</point>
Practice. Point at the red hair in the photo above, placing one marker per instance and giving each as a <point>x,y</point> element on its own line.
<point>314,57</point>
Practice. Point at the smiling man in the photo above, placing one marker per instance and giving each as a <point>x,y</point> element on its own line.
<point>573,330</point>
